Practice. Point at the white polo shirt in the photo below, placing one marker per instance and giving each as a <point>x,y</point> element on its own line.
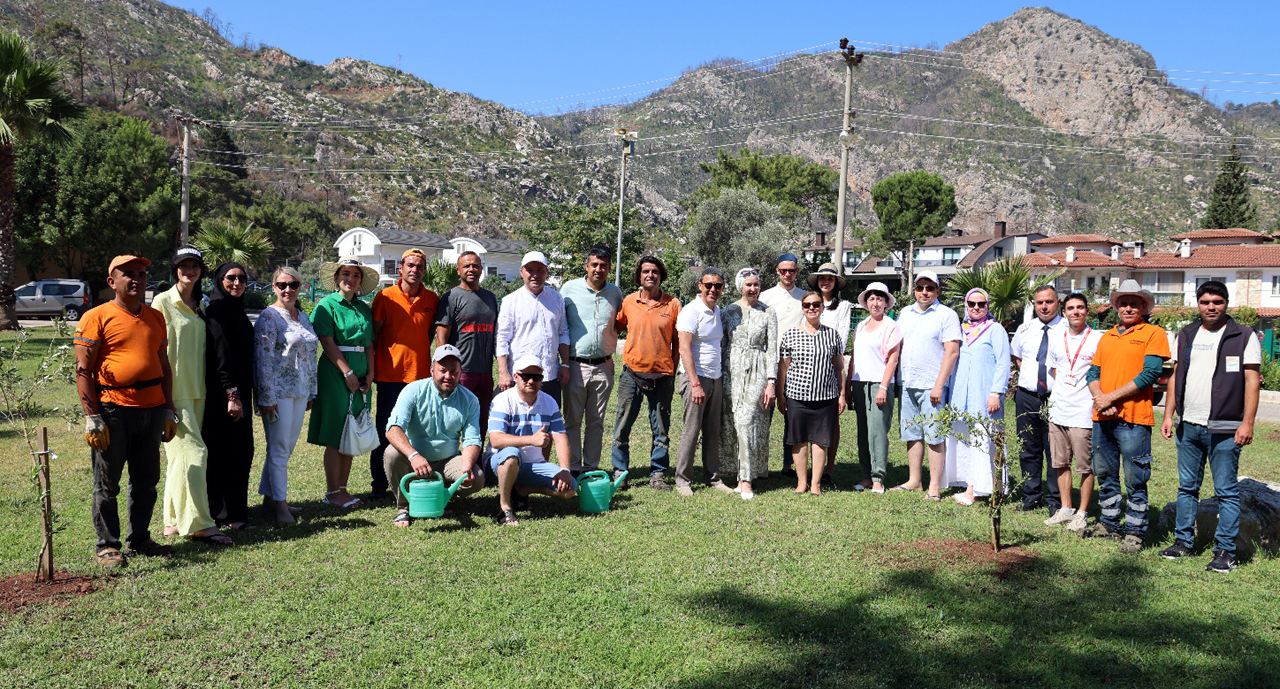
<point>1069,358</point>
<point>704,324</point>
<point>1025,346</point>
<point>786,304</point>
<point>923,336</point>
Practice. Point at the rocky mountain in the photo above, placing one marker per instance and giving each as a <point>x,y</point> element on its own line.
<point>1038,120</point>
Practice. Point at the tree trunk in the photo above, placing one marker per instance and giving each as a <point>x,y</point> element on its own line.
<point>995,531</point>
<point>8,316</point>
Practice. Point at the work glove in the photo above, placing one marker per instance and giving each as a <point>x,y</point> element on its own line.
<point>170,425</point>
<point>96,433</point>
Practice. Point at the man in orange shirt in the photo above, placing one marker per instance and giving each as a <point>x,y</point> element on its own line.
<point>1124,370</point>
<point>649,368</point>
<point>126,388</point>
<point>403,322</point>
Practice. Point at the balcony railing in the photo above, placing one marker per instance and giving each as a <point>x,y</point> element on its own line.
<point>938,262</point>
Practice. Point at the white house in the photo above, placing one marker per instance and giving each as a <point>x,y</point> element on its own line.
<point>949,254</point>
<point>498,256</point>
<point>381,248</point>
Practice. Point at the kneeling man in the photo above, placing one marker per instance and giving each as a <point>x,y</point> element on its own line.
<point>524,422</point>
<point>434,426</point>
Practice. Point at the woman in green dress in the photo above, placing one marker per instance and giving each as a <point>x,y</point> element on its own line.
<point>344,325</point>
<point>750,368</point>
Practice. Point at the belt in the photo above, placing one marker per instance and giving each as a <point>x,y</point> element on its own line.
<point>135,386</point>
<point>590,362</point>
<point>344,348</point>
<point>1043,395</point>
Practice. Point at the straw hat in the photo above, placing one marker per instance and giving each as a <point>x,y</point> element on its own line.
<point>329,274</point>
<point>1132,288</point>
<point>877,287</point>
<point>825,269</point>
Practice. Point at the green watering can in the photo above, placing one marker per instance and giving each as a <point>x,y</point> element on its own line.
<point>595,492</point>
<point>427,496</point>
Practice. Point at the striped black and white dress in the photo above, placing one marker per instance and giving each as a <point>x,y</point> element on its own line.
<point>812,388</point>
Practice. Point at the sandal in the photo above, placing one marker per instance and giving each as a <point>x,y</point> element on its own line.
<point>507,518</point>
<point>402,518</point>
<point>239,526</point>
<point>934,498</point>
<point>350,504</point>
<point>220,540</point>
<point>903,488</point>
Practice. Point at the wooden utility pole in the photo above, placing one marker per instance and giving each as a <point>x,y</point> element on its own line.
<point>44,567</point>
<point>185,217</point>
<point>852,59</point>
<point>628,147</point>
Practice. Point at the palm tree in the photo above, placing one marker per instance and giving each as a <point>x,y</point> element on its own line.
<point>222,240</point>
<point>31,104</point>
<point>1007,281</point>
<point>440,276</point>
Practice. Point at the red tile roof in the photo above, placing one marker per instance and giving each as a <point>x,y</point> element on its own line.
<point>970,259</point>
<point>1085,258</point>
<point>1213,256</point>
<point>1069,239</point>
<point>1234,233</point>
<point>1268,312</point>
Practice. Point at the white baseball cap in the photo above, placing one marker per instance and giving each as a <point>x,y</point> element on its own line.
<point>444,351</point>
<point>525,361</point>
<point>533,257</point>
<point>928,275</point>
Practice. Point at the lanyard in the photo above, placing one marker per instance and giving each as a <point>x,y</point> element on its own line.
<point>1071,360</point>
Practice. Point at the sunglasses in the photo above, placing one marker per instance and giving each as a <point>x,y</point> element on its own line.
<point>535,377</point>
<point>234,278</point>
<point>812,305</point>
<point>787,271</point>
<point>976,304</point>
<point>926,288</point>
<point>713,285</point>
<point>288,285</point>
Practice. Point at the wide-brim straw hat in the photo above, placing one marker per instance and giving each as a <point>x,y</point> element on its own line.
<point>825,269</point>
<point>877,287</point>
<point>329,275</point>
<point>1132,288</point>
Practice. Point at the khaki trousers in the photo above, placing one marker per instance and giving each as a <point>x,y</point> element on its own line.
<point>453,468</point>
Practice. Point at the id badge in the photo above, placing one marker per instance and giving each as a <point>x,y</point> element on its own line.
<point>1069,381</point>
<point>1233,364</point>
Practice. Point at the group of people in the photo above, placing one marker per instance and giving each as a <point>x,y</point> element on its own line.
<point>193,376</point>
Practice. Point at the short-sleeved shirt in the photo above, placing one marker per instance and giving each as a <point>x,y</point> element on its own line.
<point>438,427</point>
<point>129,347</point>
<point>471,316</point>
<point>1070,356</point>
<point>402,352</point>
<point>509,414</point>
<point>651,330</point>
<point>1026,345</point>
<point>590,313</point>
<point>705,326</point>
<point>810,375</point>
<point>785,303</point>
<point>923,335</point>
<point>1119,360</point>
<point>1198,397</point>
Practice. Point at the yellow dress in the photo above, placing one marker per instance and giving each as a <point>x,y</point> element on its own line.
<point>186,496</point>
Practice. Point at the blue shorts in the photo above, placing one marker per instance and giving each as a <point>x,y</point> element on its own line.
<point>532,474</point>
<point>915,402</point>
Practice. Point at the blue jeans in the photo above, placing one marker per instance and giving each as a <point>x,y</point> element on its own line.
<point>1119,443</point>
<point>1195,445</point>
<point>659,400</point>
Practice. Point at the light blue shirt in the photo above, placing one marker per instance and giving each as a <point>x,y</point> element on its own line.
<point>590,315</point>
<point>438,427</point>
<point>923,335</point>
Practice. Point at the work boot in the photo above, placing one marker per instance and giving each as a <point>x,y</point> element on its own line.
<point>1101,530</point>
<point>625,483</point>
<point>657,482</point>
<point>1131,545</point>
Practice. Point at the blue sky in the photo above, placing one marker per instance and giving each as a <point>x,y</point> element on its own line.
<point>520,53</point>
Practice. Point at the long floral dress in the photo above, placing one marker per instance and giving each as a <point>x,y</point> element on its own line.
<point>751,358</point>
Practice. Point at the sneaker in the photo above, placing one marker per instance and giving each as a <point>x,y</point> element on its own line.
<point>1175,551</point>
<point>720,486</point>
<point>686,491</point>
<point>110,558</point>
<point>1131,545</point>
<point>1079,521</point>
<point>1222,563</point>
<point>625,483</point>
<point>1062,516</point>
<point>657,482</point>
<point>1101,530</point>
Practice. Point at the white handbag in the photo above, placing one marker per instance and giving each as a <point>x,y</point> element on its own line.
<point>359,433</point>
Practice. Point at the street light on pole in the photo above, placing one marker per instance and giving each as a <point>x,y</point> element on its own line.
<point>628,138</point>
<point>852,59</point>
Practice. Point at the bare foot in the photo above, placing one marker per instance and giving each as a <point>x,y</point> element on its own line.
<point>801,489</point>
<point>171,531</point>
<point>817,490</point>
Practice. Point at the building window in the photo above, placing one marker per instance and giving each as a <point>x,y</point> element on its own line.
<point>1275,285</point>
<point>389,267</point>
<point>999,252</point>
<point>1201,281</point>
<point>1090,282</point>
<point>357,243</point>
<point>493,270</point>
<point>950,257</point>
<point>1165,285</point>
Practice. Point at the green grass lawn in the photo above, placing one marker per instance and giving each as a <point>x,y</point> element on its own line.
<point>661,591</point>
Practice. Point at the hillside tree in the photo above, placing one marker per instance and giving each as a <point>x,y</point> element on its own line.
<point>565,232</point>
<point>797,187</point>
<point>737,229</point>
<point>912,207</point>
<point>1231,204</point>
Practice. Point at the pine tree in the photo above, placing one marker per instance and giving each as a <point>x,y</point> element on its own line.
<point>1231,205</point>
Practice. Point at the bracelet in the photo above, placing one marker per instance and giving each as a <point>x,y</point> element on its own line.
<point>696,384</point>
<point>350,372</point>
<point>883,387</point>
<point>415,454</point>
<point>233,394</point>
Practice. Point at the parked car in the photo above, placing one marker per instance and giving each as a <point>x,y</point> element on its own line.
<point>66,298</point>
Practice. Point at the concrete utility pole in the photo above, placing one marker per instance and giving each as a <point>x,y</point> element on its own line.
<point>852,59</point>
<point>628,147</point>
<point>186,179</point>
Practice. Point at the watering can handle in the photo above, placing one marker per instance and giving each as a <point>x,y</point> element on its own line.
<point>404,480</point>
<point>589,474</point>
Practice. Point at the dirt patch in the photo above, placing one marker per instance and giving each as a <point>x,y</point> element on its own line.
<point>1274,436</point>
<point>934,553</point>
<point>19,591</point>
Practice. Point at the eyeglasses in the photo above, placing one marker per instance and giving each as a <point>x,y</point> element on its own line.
<point>926,288</point>
<point>535,377</point>
<point>713,285</point>
<point>976,304</point>
<point>282,286</point>
<point>235,278</point>
<point>812,305</point>
<point>786,271</point>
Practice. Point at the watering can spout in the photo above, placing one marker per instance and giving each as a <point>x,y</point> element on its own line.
<point>456,485</point>
<point>617,484</point>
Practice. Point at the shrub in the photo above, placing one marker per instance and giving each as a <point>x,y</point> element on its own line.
<point>1246,315</point>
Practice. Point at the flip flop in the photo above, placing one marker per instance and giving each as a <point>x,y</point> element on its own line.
<point>934,498</point>
<point>402,518</point>
<point>858,487</point>
<point>903,488</point>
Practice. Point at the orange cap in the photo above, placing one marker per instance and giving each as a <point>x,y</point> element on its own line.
<point>121,260</point>
<point>413,252</point>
